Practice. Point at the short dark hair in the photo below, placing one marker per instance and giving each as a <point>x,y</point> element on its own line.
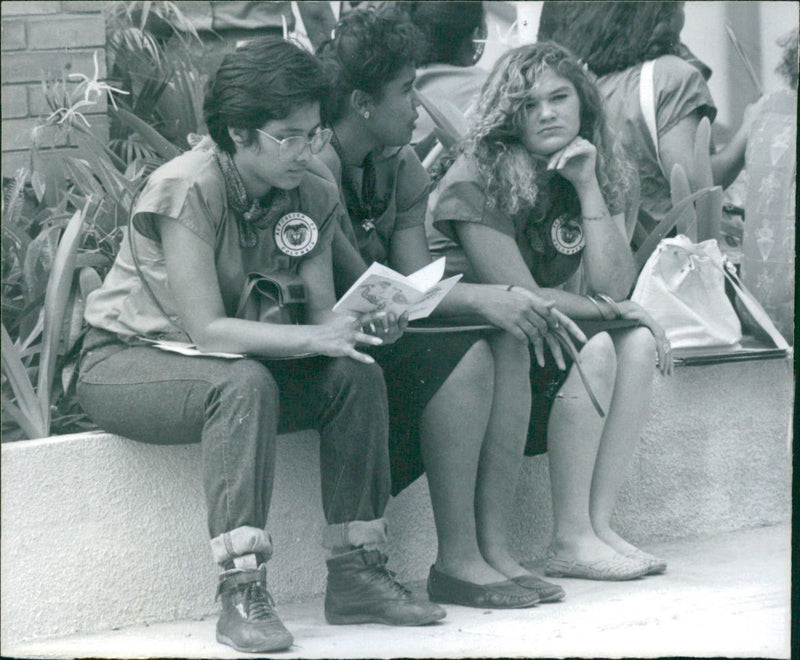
<point>369,48</point>
<point>265,79</point>
<point>447,26</point>
<point>612,36</point>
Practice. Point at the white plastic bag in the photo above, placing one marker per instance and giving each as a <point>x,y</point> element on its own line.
<point>682,285</point>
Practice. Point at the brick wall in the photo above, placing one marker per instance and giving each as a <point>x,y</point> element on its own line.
<point>45,41</point>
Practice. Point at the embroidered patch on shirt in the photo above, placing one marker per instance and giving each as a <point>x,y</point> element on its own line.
<point>567,235</point>
<point>296,234</point>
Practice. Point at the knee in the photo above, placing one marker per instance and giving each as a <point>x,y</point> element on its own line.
<point>639,347</point>
<point>599,359</point>
<point>474,374</point>
<point>509,350</point>
<point>364,380</point>
<point>357,398</point>
<point>247,383</point>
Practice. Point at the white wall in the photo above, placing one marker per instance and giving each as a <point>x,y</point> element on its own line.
<point>704,34</point>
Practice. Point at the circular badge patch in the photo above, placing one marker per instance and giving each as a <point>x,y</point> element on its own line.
<point>567,235</point>
<point>296,234</point>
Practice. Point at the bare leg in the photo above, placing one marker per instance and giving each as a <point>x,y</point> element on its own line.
<point>573,439</point>
<point>626,416</point>
<point>501,456</point>
<point>452,431</point>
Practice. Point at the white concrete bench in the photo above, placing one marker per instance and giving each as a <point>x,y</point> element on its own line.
<point>99,531</point>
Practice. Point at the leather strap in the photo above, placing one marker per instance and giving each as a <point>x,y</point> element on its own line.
<point>566,342</point>
<point>248,289</point>
<point>139,271</point>
<point>230,580</point>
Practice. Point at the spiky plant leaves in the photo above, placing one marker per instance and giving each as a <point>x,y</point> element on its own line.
<point>665,225</point>
<point>151,136</point>
<point>55,303</point>
<point>679,189</point>
<point>26,412</point>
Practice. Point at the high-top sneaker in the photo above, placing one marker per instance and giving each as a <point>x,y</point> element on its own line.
<point>362,590</point>
<point>248,621</point>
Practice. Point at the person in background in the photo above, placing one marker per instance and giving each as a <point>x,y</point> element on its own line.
<point>318,19</point>
<point>614,39</point>
<point>688,56</point>
<point>203,222</point>
<point>221,26</point>
<point>449,72</point>
<point>537,191</point>
<point>768,254</point>
<point>458,401</point>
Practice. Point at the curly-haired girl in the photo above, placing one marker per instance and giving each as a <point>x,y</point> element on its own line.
<point>615,39</point>
<point>537,193</point>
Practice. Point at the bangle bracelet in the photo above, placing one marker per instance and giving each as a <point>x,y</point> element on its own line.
<point>611,303</point>
<point>590,218</point>
<point>599,309</point>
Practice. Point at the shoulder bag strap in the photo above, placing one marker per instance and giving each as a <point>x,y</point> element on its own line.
<point>647,92</point>
<point>752,305</point>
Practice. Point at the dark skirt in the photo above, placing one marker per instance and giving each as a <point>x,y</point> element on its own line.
<point>545,383</point>
<point>415,367</point>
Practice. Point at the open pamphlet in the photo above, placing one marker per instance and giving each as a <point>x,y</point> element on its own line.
<point>381,289</point>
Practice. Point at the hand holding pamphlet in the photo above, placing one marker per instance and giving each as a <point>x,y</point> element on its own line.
<point>381,289</point>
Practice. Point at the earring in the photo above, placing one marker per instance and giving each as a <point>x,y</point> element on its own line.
<point>366,114</point>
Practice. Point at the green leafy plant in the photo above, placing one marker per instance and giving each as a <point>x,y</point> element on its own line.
<point>164,84</point>
<point>59,330</point>
<point>62,221</point>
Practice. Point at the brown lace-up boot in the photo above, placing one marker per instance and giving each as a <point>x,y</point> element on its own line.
<point>361,589</point>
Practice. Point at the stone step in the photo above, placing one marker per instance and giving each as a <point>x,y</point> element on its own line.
<point>101,532</point>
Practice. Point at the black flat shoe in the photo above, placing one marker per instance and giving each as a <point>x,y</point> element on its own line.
<point>548,592</point>
<point>498,595</point>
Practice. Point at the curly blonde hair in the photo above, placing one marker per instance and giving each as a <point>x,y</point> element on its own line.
<point>509,172</point>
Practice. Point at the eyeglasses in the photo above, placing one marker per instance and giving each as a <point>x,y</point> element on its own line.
<point>291,148</point>
<point>478,43</point>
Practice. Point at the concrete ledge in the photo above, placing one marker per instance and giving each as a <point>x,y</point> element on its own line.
<point>101,532</point>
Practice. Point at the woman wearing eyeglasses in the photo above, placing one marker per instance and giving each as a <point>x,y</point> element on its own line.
<point>455,33</point>
<point>457,401</point>
<point>253,202</point>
